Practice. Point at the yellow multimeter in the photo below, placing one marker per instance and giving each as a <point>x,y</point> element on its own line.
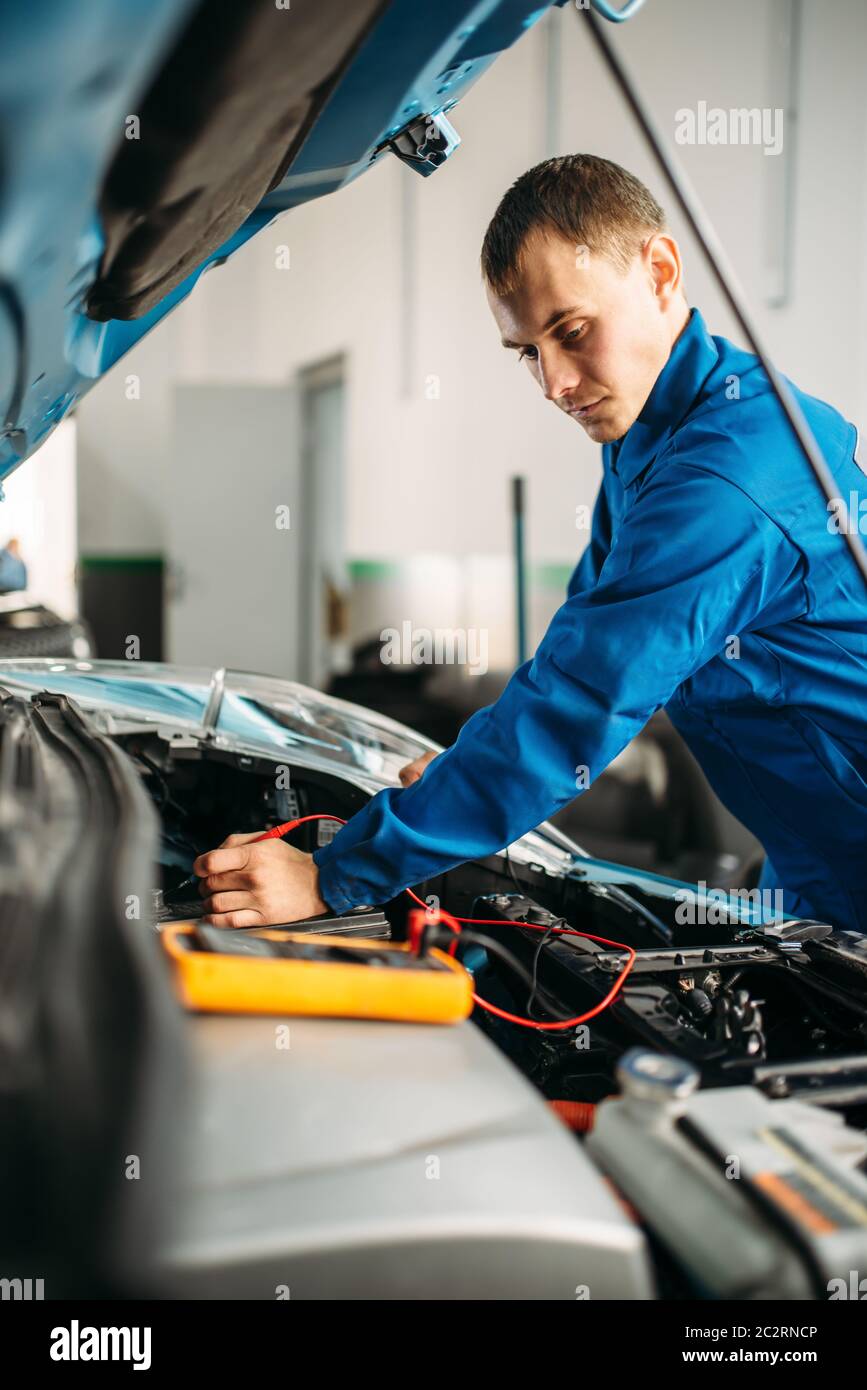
<point>276,972</point>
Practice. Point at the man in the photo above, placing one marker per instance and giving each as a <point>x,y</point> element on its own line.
<point>13,571</point>
<point>715,585</point>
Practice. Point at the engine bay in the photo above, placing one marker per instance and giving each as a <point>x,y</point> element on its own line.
<point>780,1007</point>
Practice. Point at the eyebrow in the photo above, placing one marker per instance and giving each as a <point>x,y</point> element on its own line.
<point>553,319</point>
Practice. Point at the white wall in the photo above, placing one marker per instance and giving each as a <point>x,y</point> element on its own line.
<point>39,509</point>
<point>124,448</point>
<point>431,475</point>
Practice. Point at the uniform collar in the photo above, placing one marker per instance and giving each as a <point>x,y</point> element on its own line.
<point>691,360</point>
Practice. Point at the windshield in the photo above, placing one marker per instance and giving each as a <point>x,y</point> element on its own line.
<point>231,707</point>
<point>118,693</point>
<point>277,713</point>
<point>236,709</point>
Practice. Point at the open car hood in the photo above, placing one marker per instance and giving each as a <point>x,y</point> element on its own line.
<point>143,144</point>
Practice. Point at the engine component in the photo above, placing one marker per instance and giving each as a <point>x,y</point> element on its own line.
<point>361,921</point>
<point>384,1160</point>
<point>728,1008</point>
<point>738,1020</point>
<point>757,1198</point>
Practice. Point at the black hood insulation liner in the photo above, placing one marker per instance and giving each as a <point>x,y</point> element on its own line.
<point>219,128</point>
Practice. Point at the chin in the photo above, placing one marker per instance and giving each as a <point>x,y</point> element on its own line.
<point>602,431</point>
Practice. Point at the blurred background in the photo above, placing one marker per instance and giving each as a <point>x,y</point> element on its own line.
<point>322,442</point>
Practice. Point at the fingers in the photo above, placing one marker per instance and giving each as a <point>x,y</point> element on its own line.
<point>231,902</point>
<point>241,881</point>
<point>245,917</point>
<point>240,852</point>
<point>250,885</point>
<point>222,861</point>
<point>413,771</point>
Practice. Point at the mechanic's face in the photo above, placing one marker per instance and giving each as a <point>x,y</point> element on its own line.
<point>593,337</point>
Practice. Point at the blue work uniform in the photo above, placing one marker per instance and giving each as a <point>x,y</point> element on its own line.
<point>716,585</point>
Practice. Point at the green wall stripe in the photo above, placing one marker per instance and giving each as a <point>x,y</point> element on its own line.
<point>375,569</point>
<point>97,562</point>
<point>552,575</point>
<point>548,575</point>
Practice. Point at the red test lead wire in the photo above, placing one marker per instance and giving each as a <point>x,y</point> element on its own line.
<point>278,831</point>
<point>432,916</point>
<point>455,923</point>
<point>440,915</point>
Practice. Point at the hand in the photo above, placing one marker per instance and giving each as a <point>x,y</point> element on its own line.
<point>250,884</point>
<point>414,770</point>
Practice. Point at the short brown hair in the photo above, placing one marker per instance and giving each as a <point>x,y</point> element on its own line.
<point>579,196</point>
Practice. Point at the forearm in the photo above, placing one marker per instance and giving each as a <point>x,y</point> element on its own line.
<point>514,764</point>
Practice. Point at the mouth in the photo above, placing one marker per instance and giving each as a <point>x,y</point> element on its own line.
<point>583,412</point>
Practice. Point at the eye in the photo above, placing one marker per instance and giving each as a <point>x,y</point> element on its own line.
<point>528,352</point>
<point>574,333</point>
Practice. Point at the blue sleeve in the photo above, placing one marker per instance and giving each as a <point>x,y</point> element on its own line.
<point>694,561</point>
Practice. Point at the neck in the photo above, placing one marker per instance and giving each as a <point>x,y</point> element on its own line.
<point>679,320</point>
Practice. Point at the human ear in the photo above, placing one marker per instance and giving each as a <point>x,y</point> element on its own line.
<point>665,267</point>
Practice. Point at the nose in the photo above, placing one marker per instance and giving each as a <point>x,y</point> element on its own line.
<point>558,375</point>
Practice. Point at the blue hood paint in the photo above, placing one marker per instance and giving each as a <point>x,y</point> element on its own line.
<point>72,72</point>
